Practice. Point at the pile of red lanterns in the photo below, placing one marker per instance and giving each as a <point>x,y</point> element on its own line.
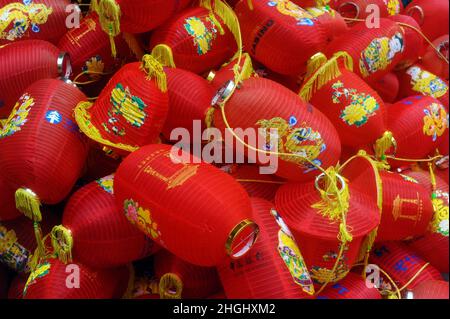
<point>350,104</point>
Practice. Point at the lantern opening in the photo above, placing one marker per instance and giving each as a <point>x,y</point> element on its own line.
<point>64,65</point>
<point>242,238</point>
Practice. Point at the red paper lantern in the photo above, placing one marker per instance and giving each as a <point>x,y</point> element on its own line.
<point>256,184</point>
<point>90,50</point>
<point>402,264</point>
<point>407,208</point>
<point>414,42</point>
<point>361,9</point>
<point>417,80</point>
<point>332,21</point>
<point>99,233</point>
<point>8,209</point>
<point>22,64</point>
<point>282,35</point>
<point>49,281</point>
<point>353,286</point>
<point>430,14</point>
<point>37,19</point>
<point>432,62</point>
<point>198,39</point>
<point>375,51</point>
<point>431,289</point>
<point>190,97</point>
<point>262,104</point>
<point>354,108</point>
<point>317,224</point>
<point>274,269</point>
<point>434,246</point>
<point>131,110</point>
<point>199,226</point>
<point>387,87</point>
<point>41,148</point>
<point>16,287</point>
<point>418,125</point>
<point>179,279</point>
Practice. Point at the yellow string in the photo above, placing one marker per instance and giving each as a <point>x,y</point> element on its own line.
<point>88,72</point>
<point>431,159</point>
<point>416,30</point>
<point>414,277</point>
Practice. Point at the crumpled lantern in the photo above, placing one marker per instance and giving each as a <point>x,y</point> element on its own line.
<point>407,208</point>
<point>197,39</point>
<point>354,108</point>
<point>417,80</point>
<point>179,279</point>
<point>90,50</point>
<point>416,127</point>
<point>190,97</point>
<point>375,51</point>
<point>432,62</point>
<point>22,64</point>
<point>402,264</point>
<point>432,16</point>
<point>280,34</point>
<point>274,269</point>
<point>131,110</point>
<point>353,286</point>
<point>358,9</point>
<point>51,280</point>
<point>37,19</point>
<point>96,232</point>
<point>334,219</point>
<point>41,149</point>
<point>264,105</point>
<point>182,213</point>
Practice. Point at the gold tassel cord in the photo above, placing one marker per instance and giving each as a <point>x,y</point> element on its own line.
<point>383,144</point>
<point>109,15</point>
<point>62,243</point>
<point>170,286</point>
<point>154,69</point>
<point>325,73</point>
<point>163,53</point>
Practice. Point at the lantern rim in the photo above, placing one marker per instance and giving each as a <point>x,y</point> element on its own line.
<point>234,235</point>
<point>64,65</point>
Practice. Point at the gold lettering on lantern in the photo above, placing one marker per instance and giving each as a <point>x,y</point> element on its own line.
<point>91,27</point>
<point>178,178</point>
<point>398,207</point>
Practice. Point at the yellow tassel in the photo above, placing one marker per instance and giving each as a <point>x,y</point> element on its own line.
<point>367,245</point>
<point>247,70</point>
<point>344,234</point>
<point>62,243</point>
<point>217,23</point>
<point>94,6</point>
<point>325,73</point>
<point>230,19</point>
<point>209,117</point>
<point>314,63</point>
<point>334,202</point>
<point>109,15</point>
<point>163,53</point>
<point>383,144</point>
<point>432,176</point>
<point>170,286</point>
<point>28,203</point>
<point>134,45</point>
<point>154,69</point>
<point>250,4</point>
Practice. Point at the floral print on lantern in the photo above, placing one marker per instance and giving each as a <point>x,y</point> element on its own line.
<point>203,33</point>
<point>362,106</point>
<point>142,218</point>
<point>18,116</point>
<point>435,121</point>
